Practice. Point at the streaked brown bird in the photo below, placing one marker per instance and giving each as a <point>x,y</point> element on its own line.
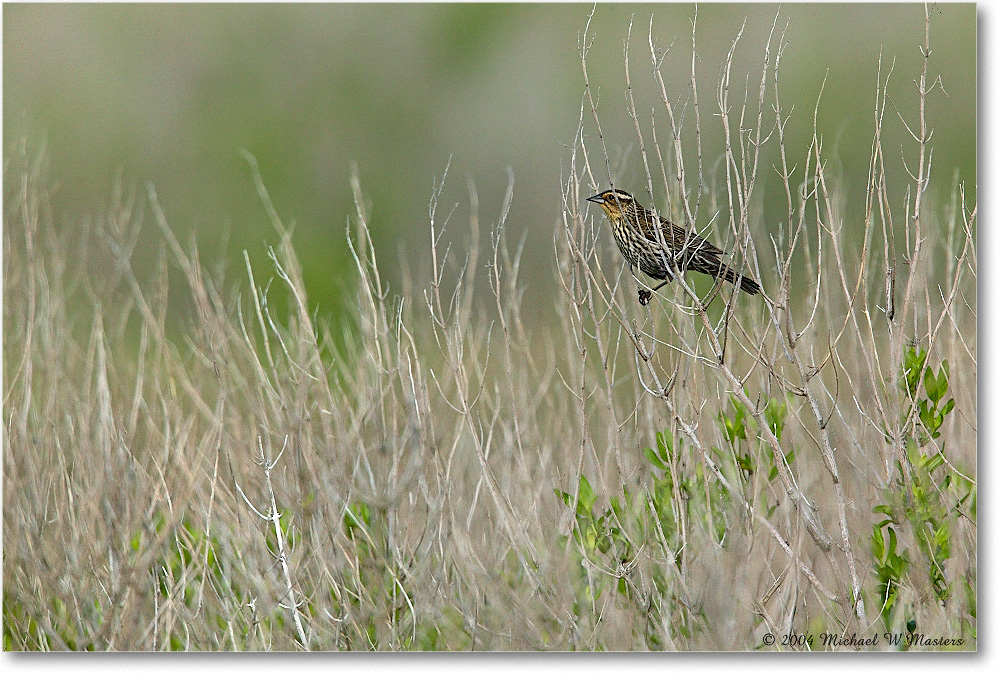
<point>639,235</point>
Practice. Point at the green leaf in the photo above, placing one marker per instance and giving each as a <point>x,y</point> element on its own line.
<point>878,543</point>
<point>586,497</point>
<point>934,461</point>
<point>931,386</point>
<point>913,364</point>
<point>665,444</point>
<point>774,415</point>
<point>948,407</point>
<point>653,458</point>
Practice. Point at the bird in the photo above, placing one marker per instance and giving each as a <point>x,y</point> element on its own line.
<point>659,248</point>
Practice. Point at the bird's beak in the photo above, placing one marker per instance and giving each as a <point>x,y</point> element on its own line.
<point>597,199</point>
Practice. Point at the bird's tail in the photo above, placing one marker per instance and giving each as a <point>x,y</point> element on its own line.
<point>747,284</point>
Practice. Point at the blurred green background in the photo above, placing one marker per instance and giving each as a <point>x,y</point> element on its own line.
<point>170,94</point>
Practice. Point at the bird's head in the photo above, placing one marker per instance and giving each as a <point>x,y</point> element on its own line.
<point>614,202</point>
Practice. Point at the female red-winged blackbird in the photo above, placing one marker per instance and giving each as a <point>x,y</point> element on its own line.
<point>639,237</point>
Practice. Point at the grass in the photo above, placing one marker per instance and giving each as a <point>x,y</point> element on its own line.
<point>443,472</point>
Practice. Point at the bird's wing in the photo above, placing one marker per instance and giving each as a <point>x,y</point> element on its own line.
<point>649,230</point>
<point>678,237</point>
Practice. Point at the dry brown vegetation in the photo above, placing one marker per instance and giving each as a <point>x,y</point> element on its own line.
<point>441,473</point>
